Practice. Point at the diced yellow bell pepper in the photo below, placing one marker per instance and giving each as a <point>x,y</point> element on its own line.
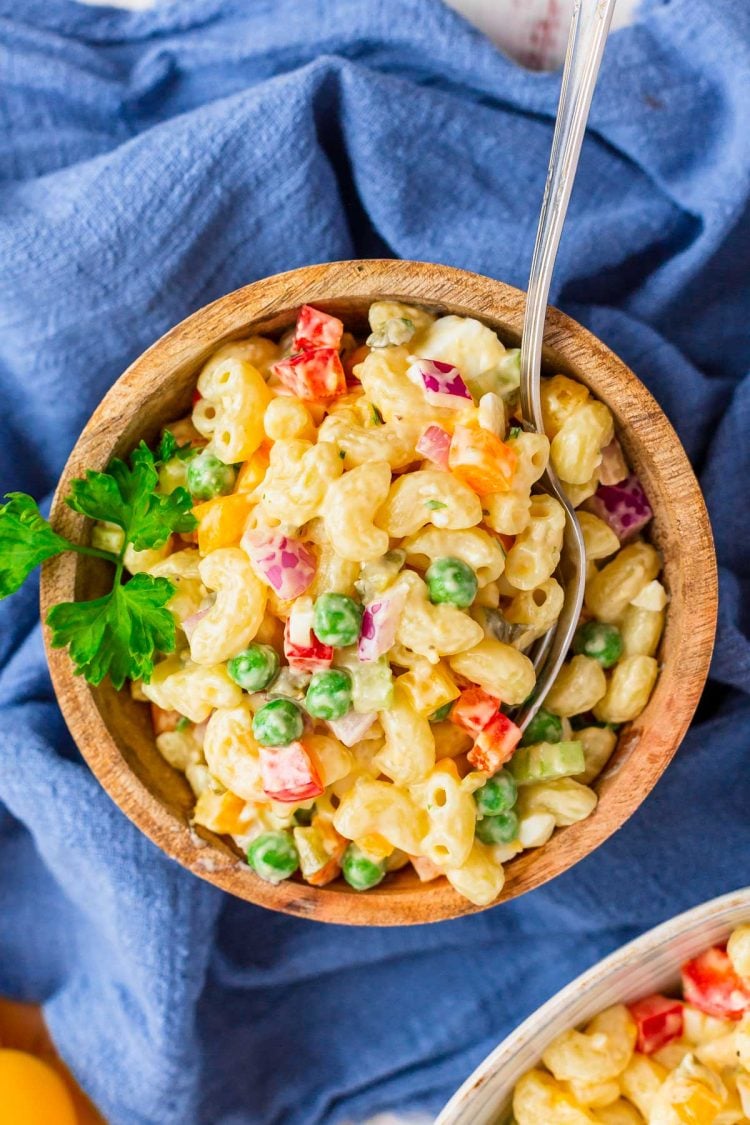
<point>700,1107</point>
<point>375,845</point>
<point>429,687</point>
<point>221,521</point>
<point>221,812</point>
<point>253,471</point>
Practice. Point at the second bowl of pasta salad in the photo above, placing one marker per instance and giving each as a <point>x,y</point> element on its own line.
<point>656,1034</point>
<point>358,564</point>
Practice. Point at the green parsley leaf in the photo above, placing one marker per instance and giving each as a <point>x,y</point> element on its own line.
<point>26,540</point>
<point>183,723</point>
<point>125,495</point>
<point>434,505</point>
<point>169,448</point>
<point>377,417</point>
<point>117,635</point>
<point>514,431</point>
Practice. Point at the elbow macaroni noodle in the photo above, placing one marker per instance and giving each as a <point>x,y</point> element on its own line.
<point>362,500</point>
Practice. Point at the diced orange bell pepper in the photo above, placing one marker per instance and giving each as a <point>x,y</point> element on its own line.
<point>325,874</point>
<point>221,521</point>
<point>480,459</point>
<point>495,744</point>
<point>253,470</point>
<point>163,721</point>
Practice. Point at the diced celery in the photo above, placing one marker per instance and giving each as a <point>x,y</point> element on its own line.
<point>372,681</point>
<point>502,379</point>
<point>546,761</point>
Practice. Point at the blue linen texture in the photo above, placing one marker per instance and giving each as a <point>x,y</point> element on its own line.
<point>150,162</point>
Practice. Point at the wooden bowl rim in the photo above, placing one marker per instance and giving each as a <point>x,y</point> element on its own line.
<point>357,282</point>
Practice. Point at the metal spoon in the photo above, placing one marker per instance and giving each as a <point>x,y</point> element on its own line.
<point>588,33</point>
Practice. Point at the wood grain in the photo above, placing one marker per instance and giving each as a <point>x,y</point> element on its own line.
<point>114,733</point>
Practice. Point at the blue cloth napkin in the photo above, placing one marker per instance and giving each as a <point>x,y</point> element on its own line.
<point>150,163</point>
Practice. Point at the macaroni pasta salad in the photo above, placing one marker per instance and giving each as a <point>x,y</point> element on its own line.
<point>662,1061</point>
<point>354,611</point>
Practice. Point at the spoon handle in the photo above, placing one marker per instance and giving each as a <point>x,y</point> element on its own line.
<point>588,34</point>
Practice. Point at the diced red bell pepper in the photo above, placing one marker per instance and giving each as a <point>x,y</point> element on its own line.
<point>312,657</point>
<point>659,1021</point>
<point>313,374</point>
<point>473,709</point>
<point>288,773</point>
<point>495,744</point>
<point>710,983</point>
<point>316,329</point>
<point>197,396</point>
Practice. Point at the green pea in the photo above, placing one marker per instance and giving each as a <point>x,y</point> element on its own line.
<point>496,795</point>
<point>451,582</point>
<point>337,620</point>
<point>544,727</point>
<point>599,641</point>
<point>500,829</point>
<point>207,477</point>
<point>360,870</point>
<point>329,695</point>
<point>255,668</point>
<point>278,723</point>
<point>273,856</point>
<point>442,712</point>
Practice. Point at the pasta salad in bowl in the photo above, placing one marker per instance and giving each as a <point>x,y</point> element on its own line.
<point>657,1034</point>
<point>347,563</point>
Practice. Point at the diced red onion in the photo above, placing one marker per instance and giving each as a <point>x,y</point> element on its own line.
<point>624,507</point>
<point>434,445</point>
<point>353,727</point>
<point>380,624</point>
<point>286,565</point>
<point>190,623</point>
<point>614,467</point>
<point>441,382</point>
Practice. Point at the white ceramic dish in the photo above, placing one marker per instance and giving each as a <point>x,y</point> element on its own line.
<point>651,963</point>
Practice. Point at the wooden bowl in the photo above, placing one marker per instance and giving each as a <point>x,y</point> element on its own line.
<point>649,964</point>
<point>114,733</point>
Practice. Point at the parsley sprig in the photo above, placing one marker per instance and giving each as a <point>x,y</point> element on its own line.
<point>119,634</point>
